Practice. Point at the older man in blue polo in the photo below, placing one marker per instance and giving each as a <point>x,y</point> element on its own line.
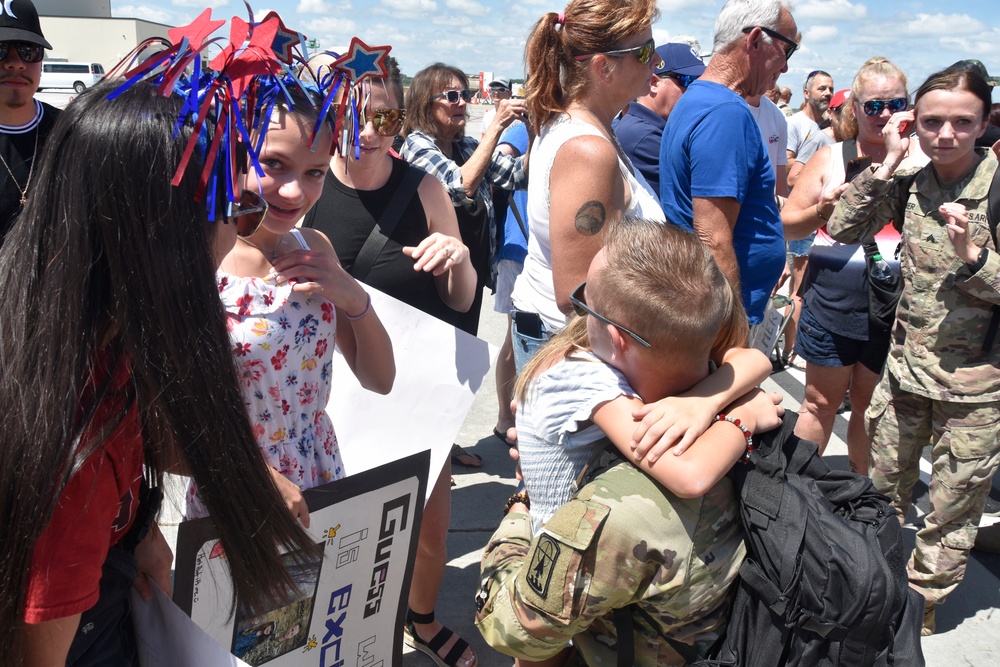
<point>640,129</point>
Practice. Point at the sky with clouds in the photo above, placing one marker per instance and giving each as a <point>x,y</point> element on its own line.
<point>921,36</point>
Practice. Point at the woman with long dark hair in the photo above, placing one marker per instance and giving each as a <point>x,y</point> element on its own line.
<point>116,358</point>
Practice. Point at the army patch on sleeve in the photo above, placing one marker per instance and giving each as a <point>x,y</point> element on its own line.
<point>542,565</point>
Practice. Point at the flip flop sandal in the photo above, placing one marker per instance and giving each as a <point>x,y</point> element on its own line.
<point>431,648</point>
<point>503,437</point>
<point>471,460</point>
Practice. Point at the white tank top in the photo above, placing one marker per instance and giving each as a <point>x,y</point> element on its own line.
<point>534,290</point>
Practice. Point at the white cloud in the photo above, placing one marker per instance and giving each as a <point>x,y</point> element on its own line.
<point>820,33</point>
<point>842,10</point>
<point>468,7</point>
<point>451,20</point>
<point>200,4</point>
<point>675,5</point>
<point>936,25</point>
<point>143,12</point>
<point>411,6</point>
<point>314,7</point>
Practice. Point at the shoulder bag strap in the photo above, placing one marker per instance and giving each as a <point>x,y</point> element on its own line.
<point>387,223</point>
<point>850,147</point>
<point>517,215</point>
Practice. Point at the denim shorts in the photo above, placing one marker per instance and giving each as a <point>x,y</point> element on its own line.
<point>526,343</point>
<point>801,247</point>
<point>825,348</point>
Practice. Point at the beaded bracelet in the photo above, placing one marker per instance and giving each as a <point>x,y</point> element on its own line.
<point>364,312</point>
<point>521,497</point>
<point>746,433</point>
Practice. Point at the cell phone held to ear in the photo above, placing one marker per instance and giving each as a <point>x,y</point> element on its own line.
<point>855,167</point>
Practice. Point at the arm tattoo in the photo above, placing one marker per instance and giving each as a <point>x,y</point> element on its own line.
<point>590,218</point>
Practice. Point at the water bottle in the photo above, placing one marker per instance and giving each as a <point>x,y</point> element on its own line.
<point>880,270</point>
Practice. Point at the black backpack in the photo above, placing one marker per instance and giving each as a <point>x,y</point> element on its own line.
<point>824,582</point>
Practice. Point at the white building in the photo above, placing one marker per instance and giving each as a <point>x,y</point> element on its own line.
<point>85,31</point>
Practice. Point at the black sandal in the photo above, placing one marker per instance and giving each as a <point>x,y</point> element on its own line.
<point>431,648</point>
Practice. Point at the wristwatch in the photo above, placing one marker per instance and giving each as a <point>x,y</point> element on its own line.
<point>980,261</point>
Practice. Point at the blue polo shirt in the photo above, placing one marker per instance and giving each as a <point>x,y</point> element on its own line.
<point>639,132</point>
<point>712,147</point>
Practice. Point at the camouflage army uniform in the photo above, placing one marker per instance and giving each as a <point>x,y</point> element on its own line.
<point>622,539</point>
<point>941,389</point>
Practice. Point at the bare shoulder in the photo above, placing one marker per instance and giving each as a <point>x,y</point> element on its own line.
<point>317,240</point>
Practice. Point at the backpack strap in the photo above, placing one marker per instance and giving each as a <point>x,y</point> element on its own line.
<point>387,223</point>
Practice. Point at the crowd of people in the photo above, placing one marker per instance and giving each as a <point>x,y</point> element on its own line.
<point>635,215</point>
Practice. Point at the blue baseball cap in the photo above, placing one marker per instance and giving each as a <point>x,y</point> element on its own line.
<point>679,59</point>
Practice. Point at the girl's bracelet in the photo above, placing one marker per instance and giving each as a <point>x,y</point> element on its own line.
<point>368,308</point>
<point>746,433</point>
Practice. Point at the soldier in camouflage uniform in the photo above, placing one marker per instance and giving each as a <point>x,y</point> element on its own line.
<point>622,539</point>
<point>941,386</point>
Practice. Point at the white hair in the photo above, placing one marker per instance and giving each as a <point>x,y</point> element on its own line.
<point>739,14</point>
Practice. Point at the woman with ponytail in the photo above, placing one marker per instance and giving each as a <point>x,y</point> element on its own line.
<point>586,63</point>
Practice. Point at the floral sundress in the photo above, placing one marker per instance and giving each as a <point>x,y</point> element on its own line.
<point>283,342</point>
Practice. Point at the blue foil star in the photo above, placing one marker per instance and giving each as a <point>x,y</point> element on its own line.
<point>363,61</point>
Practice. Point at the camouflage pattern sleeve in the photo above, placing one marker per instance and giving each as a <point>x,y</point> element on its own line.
<point>533,598</point>
<point>868,205</point>
<point>984,284</point>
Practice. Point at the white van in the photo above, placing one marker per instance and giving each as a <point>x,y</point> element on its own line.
<point>78,76</point>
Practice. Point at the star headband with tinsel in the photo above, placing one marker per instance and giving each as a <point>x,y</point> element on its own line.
<point>242,85</point>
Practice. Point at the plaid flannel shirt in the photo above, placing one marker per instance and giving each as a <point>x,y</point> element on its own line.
<point>503,171</point>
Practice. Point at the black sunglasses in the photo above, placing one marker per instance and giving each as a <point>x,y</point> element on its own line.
<point>579,302</point>
<point>793,46</point>
<point>29,53</point>
<point>248,213</point>
<point>684,80</point>
<point>644,52</point>
<point>874,107</point>
<point>453,96</point>
<point>387,122</point>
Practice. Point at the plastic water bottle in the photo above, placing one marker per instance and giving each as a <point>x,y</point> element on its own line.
<point>880,269</point>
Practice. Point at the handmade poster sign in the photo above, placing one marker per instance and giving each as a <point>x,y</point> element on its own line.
<point>349,601</point>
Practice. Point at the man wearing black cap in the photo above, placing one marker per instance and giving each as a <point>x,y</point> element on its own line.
<point>640,129</point>
<point>25,122</point>
<point>992,133</point>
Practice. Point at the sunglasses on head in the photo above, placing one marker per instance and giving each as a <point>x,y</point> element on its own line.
<point>644,52</point>
<point>453,96</point>
<point>793,46</point>
<point>248,213</point>
<point>683,80</point>
<point>874,107</point>
<point>387,122</point>
<point>579,301</point>
<point>29,53</point>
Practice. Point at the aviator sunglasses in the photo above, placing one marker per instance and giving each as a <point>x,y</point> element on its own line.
<point>684,80</point>
<point>248,213</point>
<point>874,107</point>
<point>29,53</point>
<point>387,122</point>
<point>793,46</point>
<point>644,52</point>
<point>579,302</point>
<point>453,95</point>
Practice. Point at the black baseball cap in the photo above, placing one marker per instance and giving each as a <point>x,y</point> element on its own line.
<point>979,68</point>
<point>19,23</point>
